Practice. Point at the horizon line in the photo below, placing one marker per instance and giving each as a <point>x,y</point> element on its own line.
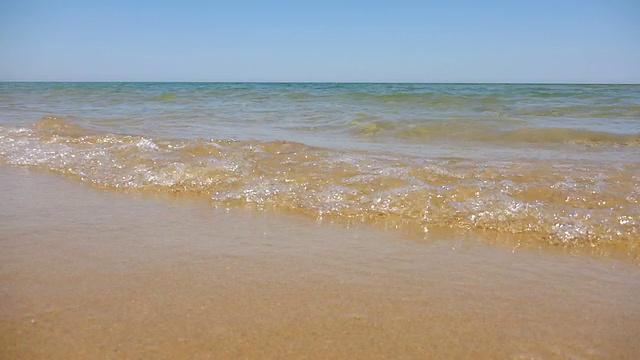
<point>317,82</point>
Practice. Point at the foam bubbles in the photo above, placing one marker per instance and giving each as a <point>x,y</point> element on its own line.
<point>567,203</point>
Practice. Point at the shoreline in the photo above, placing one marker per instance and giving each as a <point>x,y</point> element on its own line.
<point>94,273</point>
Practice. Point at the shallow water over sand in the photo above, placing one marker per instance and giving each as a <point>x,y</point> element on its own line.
<point>91,273</point>
<point>587,204</point>
<point>524,164</point>
<point>479,121</point>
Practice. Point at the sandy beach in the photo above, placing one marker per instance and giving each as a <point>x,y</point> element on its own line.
<point>88,273</point>
<point>319,180</point>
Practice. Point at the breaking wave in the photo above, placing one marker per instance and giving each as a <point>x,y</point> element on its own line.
<point>570,204</point>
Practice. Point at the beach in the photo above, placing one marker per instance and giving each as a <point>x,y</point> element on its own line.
<point>319,220</point>
<point>90,273</point>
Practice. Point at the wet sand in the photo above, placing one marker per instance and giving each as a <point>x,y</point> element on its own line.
<point>86,273</point>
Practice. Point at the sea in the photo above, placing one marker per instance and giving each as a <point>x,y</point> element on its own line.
<point>546,165</point>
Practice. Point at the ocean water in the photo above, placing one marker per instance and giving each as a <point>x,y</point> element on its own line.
<point>543,164</point>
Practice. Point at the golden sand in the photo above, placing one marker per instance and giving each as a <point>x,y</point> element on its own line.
<point>87,273</point>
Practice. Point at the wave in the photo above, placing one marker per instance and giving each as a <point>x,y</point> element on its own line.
<point>493,131</point>
<point>164,97</point>
<point>582,111</point>
<point>530,104</point>
<point>568,204</point>
<point>431,99</point>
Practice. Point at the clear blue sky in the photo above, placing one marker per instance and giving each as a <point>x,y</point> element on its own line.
<point>405,41</point>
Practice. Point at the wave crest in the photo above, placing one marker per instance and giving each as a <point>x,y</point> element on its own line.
<point>554,202</point>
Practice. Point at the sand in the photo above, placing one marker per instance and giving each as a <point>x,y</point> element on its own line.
<point>86,273</point>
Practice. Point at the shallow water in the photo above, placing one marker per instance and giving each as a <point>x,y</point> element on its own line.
<point>550,164</point>
<point>104,274</point>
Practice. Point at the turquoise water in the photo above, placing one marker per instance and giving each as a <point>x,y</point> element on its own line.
<point>557,163</point>
<point>442,119</point>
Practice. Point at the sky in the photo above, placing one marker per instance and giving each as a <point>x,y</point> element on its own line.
<point>562,41</point>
